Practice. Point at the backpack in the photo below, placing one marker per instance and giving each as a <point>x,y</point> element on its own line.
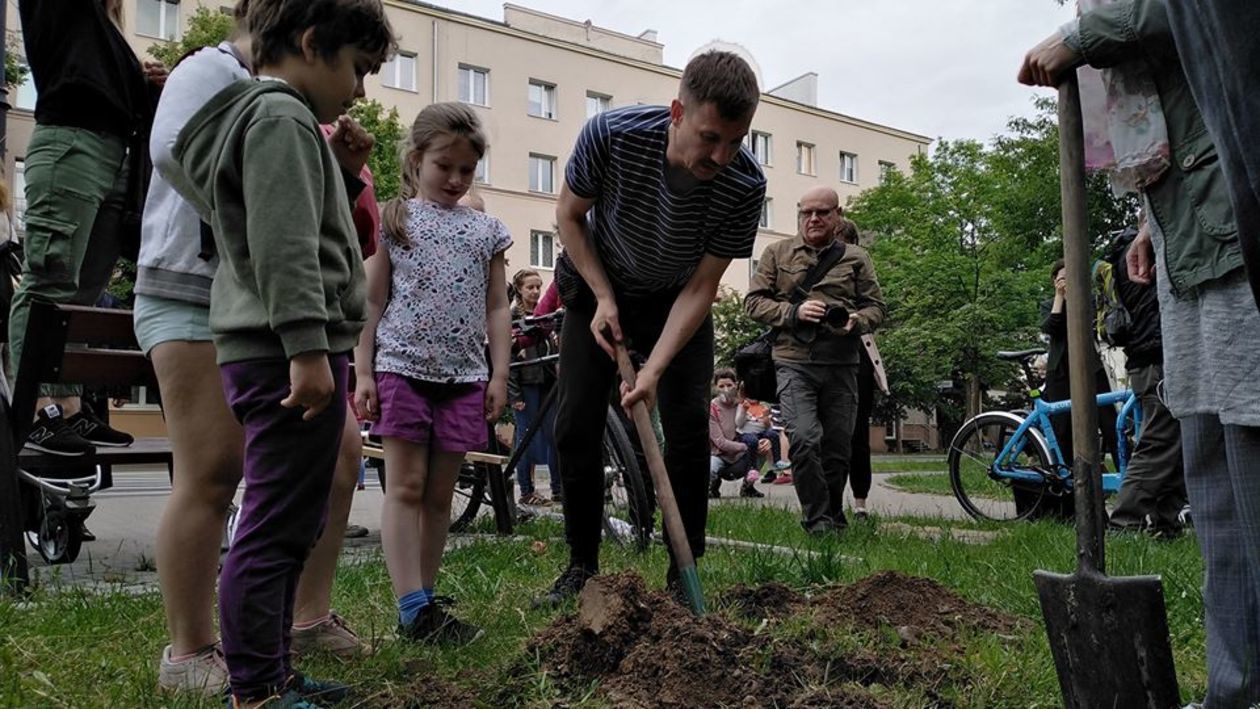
<point>1113,323</point>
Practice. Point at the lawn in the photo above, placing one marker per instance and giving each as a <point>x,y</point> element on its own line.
<point>71,648</point>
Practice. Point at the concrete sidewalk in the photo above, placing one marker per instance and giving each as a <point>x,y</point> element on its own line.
<point>126,518</point>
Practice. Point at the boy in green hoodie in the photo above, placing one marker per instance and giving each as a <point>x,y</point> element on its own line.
<point>287,305</point>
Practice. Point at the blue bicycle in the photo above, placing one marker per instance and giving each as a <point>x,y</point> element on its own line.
<point>1004,465</point>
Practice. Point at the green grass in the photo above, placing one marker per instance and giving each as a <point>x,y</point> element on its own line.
<point>77,649</point>
<point>908,466</point>
<point>930,484</point>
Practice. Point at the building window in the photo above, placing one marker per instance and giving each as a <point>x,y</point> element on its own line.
<point>542,100</point>
<point>19,198</point>
<point>760,145</point>
<point>542,174</point>
<point>157,18</point>
<point>482,175</point>
<point>885,169</point>
<point>400,72</point>
<point>26,95</point>
<point>848,167</point>
<point>597,104</point>
<point>752,267</point>
<point>767,210</point>
<point>542,249</point>
<point>805,159</point>
<point>474,85</point>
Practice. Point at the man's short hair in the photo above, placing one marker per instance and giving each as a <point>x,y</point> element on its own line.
<point>725,373</point>
<point>724,80</point>
<point>277,27</point>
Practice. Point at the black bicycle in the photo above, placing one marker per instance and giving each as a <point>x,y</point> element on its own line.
<point>486,479</point>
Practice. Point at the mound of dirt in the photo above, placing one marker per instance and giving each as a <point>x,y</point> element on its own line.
<point>912,605</point>
<point>646,650</point>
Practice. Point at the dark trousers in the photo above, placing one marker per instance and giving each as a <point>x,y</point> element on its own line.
<point>288,475</point>
<point>860,449</point>
<point>542,448</point>
<point>752,440</point>
<point>1221,58</point>
<point>586,375</point>
<point>1154,484</point>
<point>1225,496</point>
<point>819,405</point>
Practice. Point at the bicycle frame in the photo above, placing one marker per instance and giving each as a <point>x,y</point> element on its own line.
<point>1040,419</point>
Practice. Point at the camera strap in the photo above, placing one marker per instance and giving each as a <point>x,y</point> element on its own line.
<point>827,260</point>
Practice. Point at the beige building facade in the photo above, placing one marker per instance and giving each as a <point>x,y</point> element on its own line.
<point>535,79</point>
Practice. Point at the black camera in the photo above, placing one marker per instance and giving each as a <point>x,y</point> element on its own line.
<point>836,316</point>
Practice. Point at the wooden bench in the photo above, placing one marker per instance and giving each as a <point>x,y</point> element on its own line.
<point>496,480</point>
<point>75,345</point>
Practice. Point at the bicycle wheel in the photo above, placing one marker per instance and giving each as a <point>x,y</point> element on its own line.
<point>975,473</point>
<point>470,493</point>
<point>627,509</point>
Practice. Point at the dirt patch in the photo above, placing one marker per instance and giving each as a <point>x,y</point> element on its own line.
<point>428,692</point>
<point>914,607</point>
<point>771,600</point>
<point>643,649</point>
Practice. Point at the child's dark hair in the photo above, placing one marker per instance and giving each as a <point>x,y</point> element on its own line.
<point>1055,268</point>
<point>436,121</point>
<point>723,79</point>
<point>277,27</point>
<point>725,373</point>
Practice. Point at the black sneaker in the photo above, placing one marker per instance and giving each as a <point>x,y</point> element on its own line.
<point>566,587</point>
<point>749,490</point>
<point>97,432</point>
<point>434,625</point>
<point>715,489</point>
<point>53,436</point>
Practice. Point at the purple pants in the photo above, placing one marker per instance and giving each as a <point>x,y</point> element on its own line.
<point>288,474</point>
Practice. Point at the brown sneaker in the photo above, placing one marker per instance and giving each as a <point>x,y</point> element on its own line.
<point>204,672</point>
<point>330,635</point>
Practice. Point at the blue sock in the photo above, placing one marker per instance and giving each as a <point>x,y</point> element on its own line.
<point>428,592</point>
<point>410,605</point>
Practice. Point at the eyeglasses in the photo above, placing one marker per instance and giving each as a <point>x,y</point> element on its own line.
<point>807,213</point>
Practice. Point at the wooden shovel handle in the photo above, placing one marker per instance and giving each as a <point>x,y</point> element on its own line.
<point>656,466</point>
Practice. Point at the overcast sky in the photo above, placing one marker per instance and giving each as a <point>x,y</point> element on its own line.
<point>942,68</point>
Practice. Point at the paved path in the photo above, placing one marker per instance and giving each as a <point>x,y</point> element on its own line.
<point>126,517</point>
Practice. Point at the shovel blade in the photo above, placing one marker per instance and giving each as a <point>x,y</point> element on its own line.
<point>1110,640</point>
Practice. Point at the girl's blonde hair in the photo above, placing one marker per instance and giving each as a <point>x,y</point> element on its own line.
<point>5,201</point>
<point>439,120</point>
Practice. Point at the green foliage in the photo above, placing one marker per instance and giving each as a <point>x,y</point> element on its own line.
<point>963,246</point>
<point>14,71</point>
<point>732,328</point>
<point>206,28</point>
<point>384,124</point>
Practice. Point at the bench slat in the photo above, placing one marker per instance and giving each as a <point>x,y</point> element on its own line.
<point>101,367</point>
<point>100,327</point>
<point>144,451</point>
<point>371,451</point>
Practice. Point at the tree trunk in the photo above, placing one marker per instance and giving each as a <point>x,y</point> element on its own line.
<point>974,398</point>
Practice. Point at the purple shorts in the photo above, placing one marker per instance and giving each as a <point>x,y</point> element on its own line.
<point>448,418</point>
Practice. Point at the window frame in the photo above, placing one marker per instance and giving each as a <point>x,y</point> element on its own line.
<point>854,159</point>
<point>163,20</point>
<point>397,66</point>
<point>535,249</point>
<point>547,103</point>
<point>766,220</point>
<point>753,137</point>
<point>550,161</point>
<point>802,149</point>
<point>471,84</point>
<point>483,166</point>
<point>605,99</point>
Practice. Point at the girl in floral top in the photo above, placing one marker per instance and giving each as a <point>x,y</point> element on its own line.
<point>421,363</point>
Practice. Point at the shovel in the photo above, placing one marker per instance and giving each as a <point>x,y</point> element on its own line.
<point>664,491</point>
<point>1109,636</point>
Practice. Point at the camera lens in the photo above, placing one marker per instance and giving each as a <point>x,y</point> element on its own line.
<point>836,315</point>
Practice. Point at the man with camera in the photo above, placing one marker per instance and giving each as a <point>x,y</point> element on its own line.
<point>820,295</point>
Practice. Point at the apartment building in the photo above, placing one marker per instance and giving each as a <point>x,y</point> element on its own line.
<point>535,79</point>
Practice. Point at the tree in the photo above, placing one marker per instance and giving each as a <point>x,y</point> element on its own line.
<point>963,246</point>
<point>14,70</point>
<point>732,328</point>
<point>206,28</point>
<point>385,126</point>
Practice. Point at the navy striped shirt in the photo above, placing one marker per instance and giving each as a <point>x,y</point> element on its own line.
<point>648,238</point>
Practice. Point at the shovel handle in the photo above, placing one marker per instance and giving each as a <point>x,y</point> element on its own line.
<point>656,467</point>
<point>1076,254</point>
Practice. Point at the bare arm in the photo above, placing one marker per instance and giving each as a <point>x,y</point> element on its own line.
<point>571,219</point>
<point>690,309</point>
<point>379,271</point>
<point>499,330</point>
